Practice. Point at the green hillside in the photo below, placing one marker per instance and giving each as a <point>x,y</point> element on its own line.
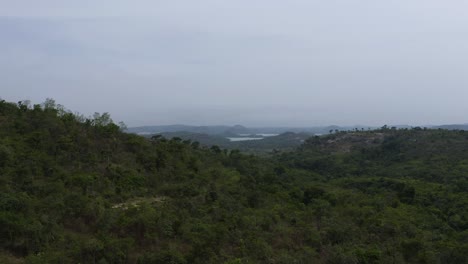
<point>78,190</point>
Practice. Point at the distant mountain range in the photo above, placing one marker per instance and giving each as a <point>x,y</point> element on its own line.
<point>210,130</point>
<point>453,127</point>
<point>237,130</point>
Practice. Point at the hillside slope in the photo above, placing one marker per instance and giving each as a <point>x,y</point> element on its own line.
<point>78,190</point>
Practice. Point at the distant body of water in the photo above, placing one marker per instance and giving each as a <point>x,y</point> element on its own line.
<point>262,135</point>
<point>146,133</point>
<point>232,139</point>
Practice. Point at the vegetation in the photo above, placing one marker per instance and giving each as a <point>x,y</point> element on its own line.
<point>79,190</point>
<point>287,141</point>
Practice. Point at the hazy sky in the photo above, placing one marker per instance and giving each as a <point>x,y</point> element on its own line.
<point>250,62</point>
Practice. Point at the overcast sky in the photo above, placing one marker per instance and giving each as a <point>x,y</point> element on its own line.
<point>250,62</point>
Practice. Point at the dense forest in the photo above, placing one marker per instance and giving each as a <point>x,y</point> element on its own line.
<point>77,189</point>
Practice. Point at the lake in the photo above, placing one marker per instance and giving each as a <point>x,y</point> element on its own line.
<point>262,135</point>
<point>232,139</point>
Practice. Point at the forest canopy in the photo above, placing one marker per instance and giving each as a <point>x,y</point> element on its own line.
<point>77,189</point>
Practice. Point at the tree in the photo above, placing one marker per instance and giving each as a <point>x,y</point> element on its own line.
<point>49,104</point>
<point>102,120</point>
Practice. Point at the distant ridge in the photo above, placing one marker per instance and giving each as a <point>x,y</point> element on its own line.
<point>239,129</point>
<point>210,130</point>
<point>453,127</point>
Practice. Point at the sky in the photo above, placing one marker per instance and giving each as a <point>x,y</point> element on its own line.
<point>249,62</point>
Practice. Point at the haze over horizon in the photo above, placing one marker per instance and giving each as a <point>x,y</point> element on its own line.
<point>254,63</point>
